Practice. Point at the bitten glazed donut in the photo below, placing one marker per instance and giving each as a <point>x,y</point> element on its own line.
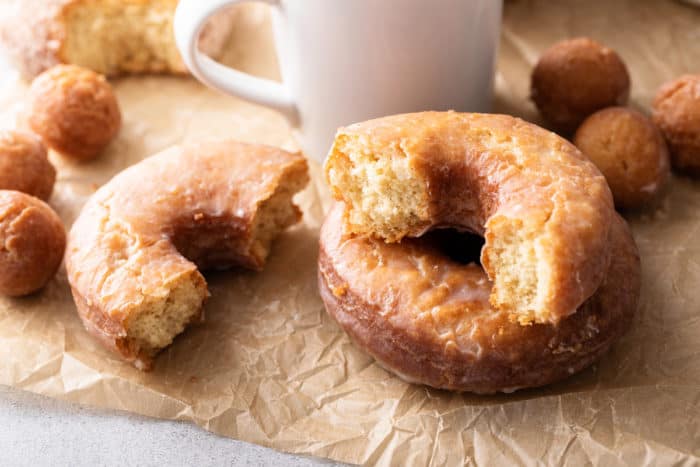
<point>134,251</point>
<point>427,318</point>
<point>543,208</point>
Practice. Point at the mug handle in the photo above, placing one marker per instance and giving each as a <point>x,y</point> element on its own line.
<point>190,18</point>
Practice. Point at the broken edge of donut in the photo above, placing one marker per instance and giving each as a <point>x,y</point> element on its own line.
<point>159,320</point>
<point>514,262</point>
<point>278,212</point>
<point>155,322</point>
<point>384,195</point>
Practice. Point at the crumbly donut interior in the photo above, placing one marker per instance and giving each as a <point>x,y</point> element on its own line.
<point>519,271</point>
<point>160,319</point>
<point>387,197</point>
<point>277,212</point>
<point>118,40</point>
<point>384,194</point>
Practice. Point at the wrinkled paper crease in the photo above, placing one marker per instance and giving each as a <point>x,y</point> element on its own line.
<point>270,367</point>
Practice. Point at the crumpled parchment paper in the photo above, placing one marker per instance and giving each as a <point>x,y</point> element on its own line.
<point>268,366</point>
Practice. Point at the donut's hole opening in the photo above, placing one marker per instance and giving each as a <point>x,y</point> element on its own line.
<point>461,247</point>
<point>219,243</point>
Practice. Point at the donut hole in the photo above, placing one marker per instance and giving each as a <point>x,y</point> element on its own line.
<point>460,246</point>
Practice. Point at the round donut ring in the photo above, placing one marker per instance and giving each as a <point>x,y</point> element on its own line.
<point>427,318</point>
<point>134,252</point>
<point>543,208</point>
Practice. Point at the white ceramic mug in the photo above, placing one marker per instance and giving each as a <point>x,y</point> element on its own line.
<point>344,61</point>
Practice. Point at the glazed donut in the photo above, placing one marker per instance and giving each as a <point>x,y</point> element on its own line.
<point>427,318</point>
<point>134,251</point>
<point>543,208</point>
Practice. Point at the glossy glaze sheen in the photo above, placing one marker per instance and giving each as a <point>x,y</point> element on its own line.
<point>486,173</point>
<point>159,220</point>
<point>428,319</point>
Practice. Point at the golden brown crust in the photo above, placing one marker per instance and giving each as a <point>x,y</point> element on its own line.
<point>676,111</point>
<point>157,222</point>
<point>630,152</point>
<point>428,319</point>
<point>576,77</point>
<point>32,241</point>
<point>74,110</point>
<point>40,42</point>
<point>24,165</point>
<point>485,173</point>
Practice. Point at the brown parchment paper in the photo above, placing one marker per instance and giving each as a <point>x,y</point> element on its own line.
<point>268,366</point>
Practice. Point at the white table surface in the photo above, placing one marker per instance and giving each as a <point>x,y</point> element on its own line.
<point>37,431</point>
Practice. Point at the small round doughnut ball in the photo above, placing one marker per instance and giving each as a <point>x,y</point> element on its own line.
<point>74,110</point>
<point>575,78</point>
<point>24,165</point>
<point>32,242</point>
<point>630,152</point>
<point>676,111</point>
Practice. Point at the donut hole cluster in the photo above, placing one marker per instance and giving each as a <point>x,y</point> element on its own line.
<point>582,85</point>
<point>73,111</point>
